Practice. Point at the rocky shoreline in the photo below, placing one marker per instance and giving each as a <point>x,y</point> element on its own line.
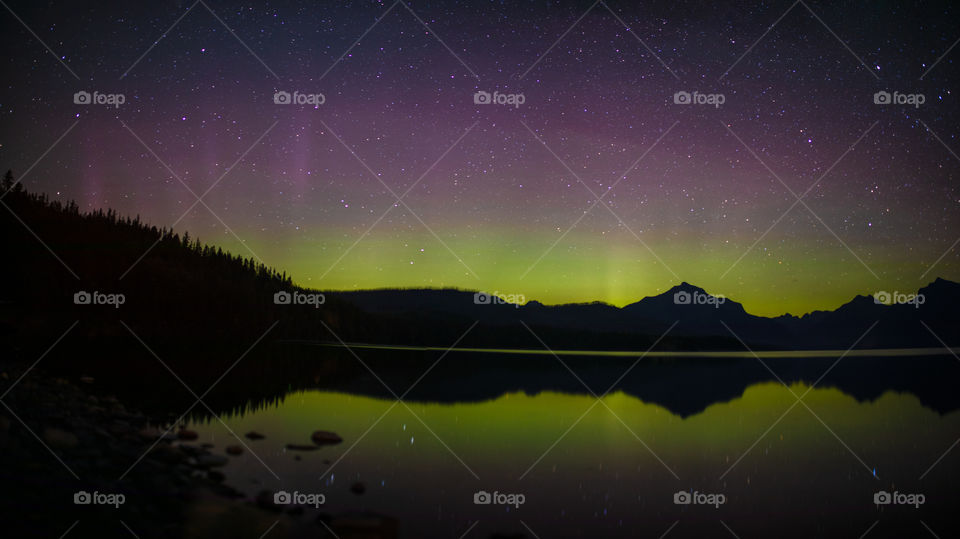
<point>84,462</point>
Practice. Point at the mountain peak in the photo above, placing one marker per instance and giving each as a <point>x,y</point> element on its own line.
<point>682,297</point>
<point>684,287</point>
<point>939,286</point>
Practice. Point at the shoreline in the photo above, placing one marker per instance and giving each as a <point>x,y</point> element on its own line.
<point>763,354</point>
<point>75,449</point>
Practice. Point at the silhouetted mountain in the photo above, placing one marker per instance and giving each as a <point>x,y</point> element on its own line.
<point>897,325</point>
<point>696,315</point>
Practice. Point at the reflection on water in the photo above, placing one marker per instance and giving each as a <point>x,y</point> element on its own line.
<point>610,469</point>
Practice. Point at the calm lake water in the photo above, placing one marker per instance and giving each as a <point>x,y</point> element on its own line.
<point>612,467</point>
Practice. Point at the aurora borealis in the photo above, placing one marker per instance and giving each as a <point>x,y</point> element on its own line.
<point>694,193</point>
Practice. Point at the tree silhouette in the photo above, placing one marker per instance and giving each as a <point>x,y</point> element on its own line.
<point>8,181</point>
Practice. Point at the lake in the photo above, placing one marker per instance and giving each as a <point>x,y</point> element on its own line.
<point>556,460</point>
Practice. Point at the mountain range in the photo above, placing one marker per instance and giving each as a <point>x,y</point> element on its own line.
<point>931,318</point>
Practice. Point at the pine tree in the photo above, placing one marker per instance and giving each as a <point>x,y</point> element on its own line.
<point>8,181</point>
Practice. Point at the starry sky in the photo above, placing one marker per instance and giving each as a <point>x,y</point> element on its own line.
<point>503,197</point>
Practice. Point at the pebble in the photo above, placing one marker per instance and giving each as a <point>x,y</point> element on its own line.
<point>323,437</point>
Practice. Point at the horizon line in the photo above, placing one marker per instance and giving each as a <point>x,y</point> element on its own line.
<point>731,354</point>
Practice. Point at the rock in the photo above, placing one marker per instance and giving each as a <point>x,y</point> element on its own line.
<point>60,438</point>
<point>254,435</point>
<point>186,434</point>
<point>301,447</point>
<point>216,476</point>
<point>358,488</point>
<point>234,450</point>
<point>211,461</point>
<point>323,437</point>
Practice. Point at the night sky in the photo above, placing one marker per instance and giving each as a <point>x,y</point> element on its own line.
<point>691,192</point>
